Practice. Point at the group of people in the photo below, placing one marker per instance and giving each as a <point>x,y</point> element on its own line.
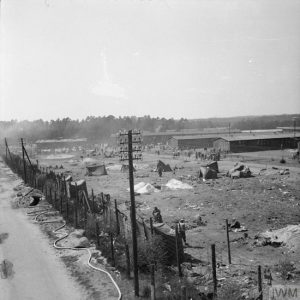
<point>157,218</point>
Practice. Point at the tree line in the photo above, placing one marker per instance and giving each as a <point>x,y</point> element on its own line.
<point>102,127</point>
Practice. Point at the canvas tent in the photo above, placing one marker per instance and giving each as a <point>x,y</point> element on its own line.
<point>97,170</point>
<point>164,167</point>
<point>213,165</point>
<point>208,173</point>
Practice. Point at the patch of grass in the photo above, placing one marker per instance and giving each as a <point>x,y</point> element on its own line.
<point>231,290</point>
<point>285,268</point>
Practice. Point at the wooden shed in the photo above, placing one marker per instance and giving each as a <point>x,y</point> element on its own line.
<point>192,142</point>
<point>249,143</point>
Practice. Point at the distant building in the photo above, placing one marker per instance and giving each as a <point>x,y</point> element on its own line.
<point>164,137</point>
<point>289,129</point>
<point>59,144</point>
<point>192,141</point>
<point>262,131</point>
<point>247,143</point>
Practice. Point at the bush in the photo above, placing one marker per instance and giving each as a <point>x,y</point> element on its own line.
<point>151,252</point>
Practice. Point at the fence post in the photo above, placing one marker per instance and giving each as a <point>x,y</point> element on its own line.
<point>93,201</point>
<point>127,260</point>
<point>214,272</point>
<point>75,207</point>
<point>178,252</point>
<point>97,234</point>
<point>67,207</point>
<point>117,217</point>
<point>228,242</point>
<point>50,195</point>
<point>153,282</point>
<point>112,249</point>
<point>55,200</point>
<point>85,215</point>
<point>145,230</point>
<point>24,163</point>
<point>61,205</point>
<point>133,216</point>
<point>183,293</point>
<point>260,297</point>
<point>151,226</point>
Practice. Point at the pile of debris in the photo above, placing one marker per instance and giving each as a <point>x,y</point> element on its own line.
<point>239,171</point>
<point>145,188</point>
<point>26,196</point>
<point>174,184</point>
<point>288,236</point>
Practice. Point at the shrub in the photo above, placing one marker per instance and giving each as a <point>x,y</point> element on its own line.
<point>152,251</point>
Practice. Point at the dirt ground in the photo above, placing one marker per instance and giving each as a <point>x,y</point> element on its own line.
<point>266,201</point>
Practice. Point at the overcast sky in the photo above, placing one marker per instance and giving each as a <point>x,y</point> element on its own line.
<point>185,58</point>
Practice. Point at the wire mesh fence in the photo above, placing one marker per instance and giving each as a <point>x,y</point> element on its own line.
<point>110,229</point>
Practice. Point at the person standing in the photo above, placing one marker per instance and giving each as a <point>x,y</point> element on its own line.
<point>157,215</point>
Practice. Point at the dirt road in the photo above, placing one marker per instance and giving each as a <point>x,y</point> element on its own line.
<point>31,269</point>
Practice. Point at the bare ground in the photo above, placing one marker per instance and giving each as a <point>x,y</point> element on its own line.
<point>265,201</point>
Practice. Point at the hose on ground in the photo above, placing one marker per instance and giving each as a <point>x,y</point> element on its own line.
<point>56,246</point>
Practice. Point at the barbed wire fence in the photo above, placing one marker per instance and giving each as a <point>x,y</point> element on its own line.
<point>110,228</point>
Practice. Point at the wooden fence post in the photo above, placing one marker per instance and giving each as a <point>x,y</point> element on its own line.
<point>61,205</point>
<point>85,215</point>
<point>55,200</point>
<point>50,192</point>
<point>97,234</point>
<point>260,291</point>
<point>177,236</point>
<point>93,201</point>
<point>228,242</point>
<point>214,271</point>
<point>67,207</point>
<point>153,282</point>
<point>183,293</point>
<point>112,249</point>
<point>145,231</point>
<point>117,217</point>
<point>127,260</point>
<point>151,226</point>
<point>75,207</point>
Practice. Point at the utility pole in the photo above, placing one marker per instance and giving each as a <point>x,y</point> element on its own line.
<point>133,216</point>
<point>24,163</point>
<point>126,140</point>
